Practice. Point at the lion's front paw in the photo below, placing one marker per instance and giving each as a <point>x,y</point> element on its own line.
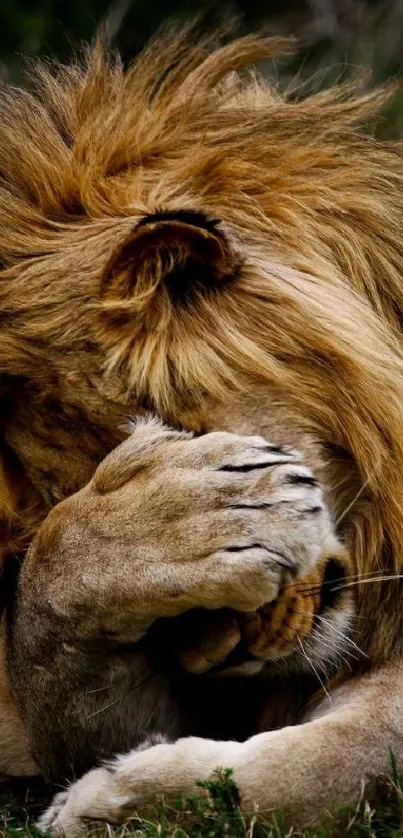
<point>49,822</point>
<point>84,800</point>
<point>281,504</point>
<point>220,521</point>
<point>114,793</point>
<point>217,521</point>
<point>270,510</point>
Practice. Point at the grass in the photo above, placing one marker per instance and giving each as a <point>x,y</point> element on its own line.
<point>216,814</point>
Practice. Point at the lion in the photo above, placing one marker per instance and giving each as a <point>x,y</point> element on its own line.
<point>182,240</point>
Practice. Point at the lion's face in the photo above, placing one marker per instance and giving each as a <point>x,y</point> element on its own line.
<point>307,628</point>
<point>153,304</point>
<point>181,243</point>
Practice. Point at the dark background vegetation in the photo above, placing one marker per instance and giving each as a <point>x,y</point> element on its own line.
<point>336,37</point>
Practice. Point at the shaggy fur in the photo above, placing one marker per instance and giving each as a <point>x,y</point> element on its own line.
<point>301,317</point>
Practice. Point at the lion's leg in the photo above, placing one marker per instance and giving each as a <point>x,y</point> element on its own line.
<point>171,523</point>
<point>304,769</point>
<point>168,523</point>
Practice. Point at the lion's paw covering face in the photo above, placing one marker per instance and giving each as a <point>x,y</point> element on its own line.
<point>309,623</point>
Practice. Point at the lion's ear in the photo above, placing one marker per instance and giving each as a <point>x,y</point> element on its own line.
<point>172,254</point>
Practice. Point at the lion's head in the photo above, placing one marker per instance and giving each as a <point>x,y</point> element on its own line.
<point>183,238</point>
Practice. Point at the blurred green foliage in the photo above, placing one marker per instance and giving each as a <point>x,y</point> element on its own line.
<point>48,26</point>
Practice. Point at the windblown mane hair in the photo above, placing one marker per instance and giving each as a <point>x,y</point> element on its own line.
<point>311,208</point>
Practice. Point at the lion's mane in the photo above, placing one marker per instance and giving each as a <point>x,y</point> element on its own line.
<point>312,207</point>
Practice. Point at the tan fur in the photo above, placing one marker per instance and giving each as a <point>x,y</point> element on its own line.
<point>169,523</point>
<point>292,329</point>
<point>308,768</point>
<point>270,633</point>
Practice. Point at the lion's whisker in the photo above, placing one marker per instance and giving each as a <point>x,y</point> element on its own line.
<point>361,579</point>
<point>98,689</point>
<point>353,501</point>
<point>341,634</point>
<point>313,667</point>
<point>358,575</point>
<point>105,707</point>
<point>312,586</point>
<point>391,578</point>
<point>336,630</point>
<point>318,637</point>
<point>346,662</point>
<point>342,656</point>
